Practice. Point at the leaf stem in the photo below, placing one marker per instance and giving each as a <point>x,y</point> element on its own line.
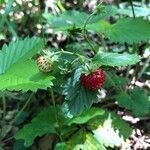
<point>70,53</point>
<point>25,105</point>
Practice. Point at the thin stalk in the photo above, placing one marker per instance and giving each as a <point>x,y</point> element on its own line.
<point>55,113</point>
<point>60,6</point>
<point>84,27</point>
<point>82,58</point>
<point>103,43</point>
<point>4,107</point>
<point>54,104</point>
<point>135,46</point>
<point>65,52</point>
<point>144,68</point>
<point>132,7</point>
<point>85,31</point>
<point>24,106</point>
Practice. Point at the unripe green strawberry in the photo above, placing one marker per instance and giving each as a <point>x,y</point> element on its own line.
<point>44,64</point>
<point>94,80</point>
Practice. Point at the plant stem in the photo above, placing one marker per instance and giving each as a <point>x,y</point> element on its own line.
<point>60,6</point>
<point>103,43</point>
<point>55,113</point>
<point>144,68</point>
<point>85,33</point>
<point>133,12</point>
<point>4,107</point>
<point>70,53</point>
<point>24,106</point>
<point>54,104</point>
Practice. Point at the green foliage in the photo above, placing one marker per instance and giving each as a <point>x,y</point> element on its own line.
<point>107,135</point>
<point>43,123</point>
<point>106,116</point>
<point>78,98</point>
<point>66,20</point>
<point>2,2</point>
<point>113,79</point>
<point>103,124</point>
<point>61,146</point>
<point>25,76</point>
<point>136,100</point>
<point>81,126</point>
<point>99,121</point>
<point>115,59</point>
<point>84,140</point>
<point>19,71</point>
<point>86,116</point>
<point>129,30</point>
<point>19,51</point>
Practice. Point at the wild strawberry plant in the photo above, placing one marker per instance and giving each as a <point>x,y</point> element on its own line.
<point>78,72</point>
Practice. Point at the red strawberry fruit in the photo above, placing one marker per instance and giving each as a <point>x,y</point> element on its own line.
<point>94,80</point>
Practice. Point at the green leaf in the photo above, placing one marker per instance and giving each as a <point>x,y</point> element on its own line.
<point>25,76</point>
<point>92,142</point>
<point>114,79</point>
<point>117,123</point>
<point>43,123</point>
<point>102,124</point>
<point>83,140</point>
<point>18,71</point>
<point>107,135</point>
<point>66,20</point>
<point>1,148</point>
<point>21,118</point>
<point>78,98</point>
<point>129,30</point>
<point>107,125</point>
<point>2,2</point>
<point>20,50</point>
<point>86,116</point>
<point>60,146</point>
<point>115,59</point>
<point>19,145</point>
<point>99,27</point>
<point>136,101</point>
